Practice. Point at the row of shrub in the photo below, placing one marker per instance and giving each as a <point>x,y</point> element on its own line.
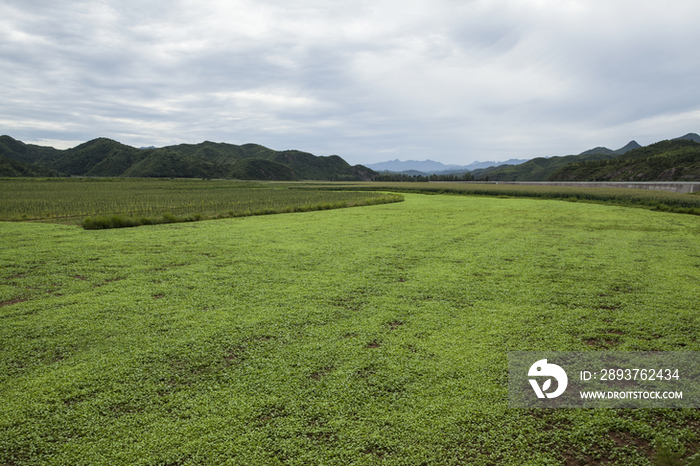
<point>124,221</point>
<point>679,210</point>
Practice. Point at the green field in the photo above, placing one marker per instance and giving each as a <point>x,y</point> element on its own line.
<point>372,335</point>
<point>112,202</point>
<point>642,198</point>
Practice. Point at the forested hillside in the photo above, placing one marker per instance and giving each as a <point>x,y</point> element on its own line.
<point>672,161</point>
<point>107,158</point>
<point>538,169</point>
<point>12,168</point>
<point>676,160</point>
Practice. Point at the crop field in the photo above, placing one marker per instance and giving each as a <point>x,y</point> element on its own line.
<point>71,200</point>
<point>647,198</point>
<point>375,335</point>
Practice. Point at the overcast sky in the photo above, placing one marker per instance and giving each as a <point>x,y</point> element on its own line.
<point>452,81</point>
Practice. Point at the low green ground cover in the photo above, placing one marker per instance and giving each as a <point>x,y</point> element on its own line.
<point>646,198</point>
<point>376,335</point>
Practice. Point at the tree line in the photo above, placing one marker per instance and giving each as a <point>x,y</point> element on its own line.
<point>404,177</point>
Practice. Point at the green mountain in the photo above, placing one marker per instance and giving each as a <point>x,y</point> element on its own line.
<point>538,169</point>
<point>303,164</point>
<point>689,136</point>
<point>604,150</point>
<point>107,158</point>
<point>260,169</point>
<point>99,157</point>
<point>27,153</point>
<point>11,167</point>
<point>164,163</point>
<point>223,153</point>
<point>675,160</point>
<point>541,168</point>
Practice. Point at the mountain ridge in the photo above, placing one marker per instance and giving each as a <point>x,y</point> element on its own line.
<point>604,150</point>
<point>542,168</point>
<point>428,166</point>
<point>670,160</point>
<point>103,157</point>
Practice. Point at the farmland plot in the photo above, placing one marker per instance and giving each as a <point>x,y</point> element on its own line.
<point>375,335</point>
<point>133,202</point>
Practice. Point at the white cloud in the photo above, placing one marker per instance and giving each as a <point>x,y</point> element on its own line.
<point>56,143</point>
<point>448,80</point>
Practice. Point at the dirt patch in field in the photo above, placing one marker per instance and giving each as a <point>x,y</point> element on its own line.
<point>348,303</point>
<point>378,451</point>
<point>234,356</point>
<point>570,460</point>
<point>602,342</point>
<point>626,439</point>
<point>12,301</point>
<point>109,280</point>
<point>318,375</point>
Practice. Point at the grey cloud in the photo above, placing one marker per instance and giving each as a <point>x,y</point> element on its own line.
<point>450,81</point>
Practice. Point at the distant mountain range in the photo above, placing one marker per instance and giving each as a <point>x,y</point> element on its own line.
<point>604,150</point>
<point>542,169</point>
<point>674,160</point>
<point>677,159</point>
<point>107,158</point>
<point>429,167</point>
